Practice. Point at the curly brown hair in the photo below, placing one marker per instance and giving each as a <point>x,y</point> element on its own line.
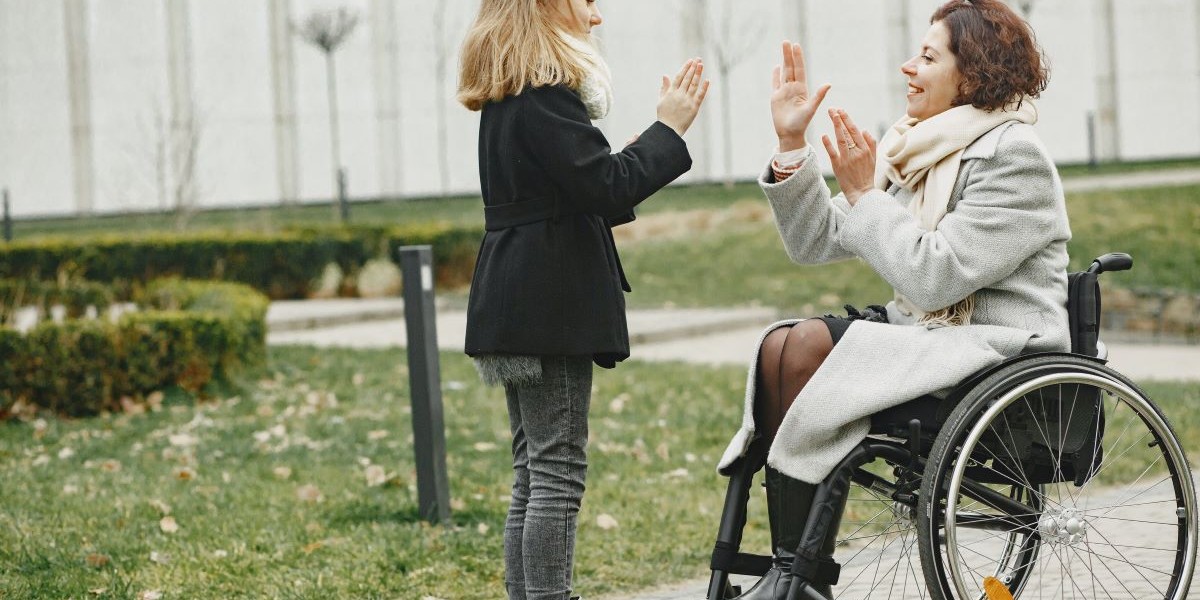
<point>998,57</point>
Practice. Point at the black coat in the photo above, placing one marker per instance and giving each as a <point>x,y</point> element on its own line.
<point>547,279</point>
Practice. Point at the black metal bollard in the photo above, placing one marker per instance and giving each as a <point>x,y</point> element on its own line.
<point>1091,140</point>
<point>342,200</point>
<point>424,377</point>
<point>7,218</point>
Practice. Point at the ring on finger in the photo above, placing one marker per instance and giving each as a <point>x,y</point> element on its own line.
<point>851,146</point>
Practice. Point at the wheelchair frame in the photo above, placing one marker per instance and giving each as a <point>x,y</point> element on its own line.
<point>931,437</point>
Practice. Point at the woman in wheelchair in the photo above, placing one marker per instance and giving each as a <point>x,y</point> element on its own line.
<point>961,210</point>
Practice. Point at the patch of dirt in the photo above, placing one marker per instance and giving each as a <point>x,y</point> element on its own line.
<point>680,224</point>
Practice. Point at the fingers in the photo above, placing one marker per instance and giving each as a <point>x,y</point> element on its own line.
<point>856,136</point>
<point>693,83</point>
<point>798,64</point>
<point>684,73</point>
<point>703,93</point>
<point>848,135</point>
<point>666,85</point>
<point>819,97</point>
<point>831,150</point>
<point>872,145</point>
<point>775,77</point>
<point>787,62</point>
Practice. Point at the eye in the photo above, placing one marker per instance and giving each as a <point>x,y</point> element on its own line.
<point>927,58</point>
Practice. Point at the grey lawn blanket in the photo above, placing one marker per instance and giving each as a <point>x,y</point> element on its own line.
<point>831,415</point>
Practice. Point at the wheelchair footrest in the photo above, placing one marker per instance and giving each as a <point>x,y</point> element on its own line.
<point>725,557</point>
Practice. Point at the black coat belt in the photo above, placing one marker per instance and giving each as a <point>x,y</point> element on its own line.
<point>523,212</point>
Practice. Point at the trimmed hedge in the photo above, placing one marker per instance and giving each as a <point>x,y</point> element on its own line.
<point>74,296</point>
<point>280,265</point>
<point>189,334</point>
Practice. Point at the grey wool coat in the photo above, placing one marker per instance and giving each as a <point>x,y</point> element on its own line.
<point>1004,239</point>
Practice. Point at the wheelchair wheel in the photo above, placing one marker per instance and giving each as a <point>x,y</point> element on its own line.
<point>877,541</point>
<point>1059,478</point>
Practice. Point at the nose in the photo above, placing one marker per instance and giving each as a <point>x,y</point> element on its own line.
<point>909,68</point>
<point>596,19</point>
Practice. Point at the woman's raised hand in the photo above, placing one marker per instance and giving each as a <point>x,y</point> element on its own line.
<point>680,97</point>
<point>853,157</point>
<point>792,107</point>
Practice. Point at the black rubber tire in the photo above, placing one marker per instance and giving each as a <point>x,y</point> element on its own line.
<point>963,418</point>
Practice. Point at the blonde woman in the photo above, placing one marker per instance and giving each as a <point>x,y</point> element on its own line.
<point>547,297</point>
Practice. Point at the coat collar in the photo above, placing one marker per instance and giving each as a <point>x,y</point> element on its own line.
<point>986,145</point>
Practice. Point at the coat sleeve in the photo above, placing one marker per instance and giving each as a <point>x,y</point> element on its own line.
<point>577,157</point>
<point>807,218</point>
<point>1010,208</point>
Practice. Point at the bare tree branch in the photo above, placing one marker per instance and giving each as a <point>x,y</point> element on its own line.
<point>327,29</point>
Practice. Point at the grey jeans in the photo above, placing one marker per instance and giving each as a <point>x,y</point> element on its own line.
<point>550,432</point>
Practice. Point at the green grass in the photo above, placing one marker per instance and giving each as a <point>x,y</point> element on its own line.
<point>82,503</point>
<point>94,490</point>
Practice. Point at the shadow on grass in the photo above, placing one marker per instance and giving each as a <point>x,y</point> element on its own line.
<point>360,512</point>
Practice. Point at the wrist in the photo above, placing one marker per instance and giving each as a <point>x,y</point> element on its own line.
<point>789,143</point>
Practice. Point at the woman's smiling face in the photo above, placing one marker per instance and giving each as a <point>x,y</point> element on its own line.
<point>933,76</point>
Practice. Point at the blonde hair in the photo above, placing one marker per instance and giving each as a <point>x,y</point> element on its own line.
<point>514,43</point>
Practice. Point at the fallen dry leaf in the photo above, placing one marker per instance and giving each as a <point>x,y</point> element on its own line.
<point>154,401</point>
<point>283,472</point>
<point>185,474</point>
<point>130,407</point>
<point>606,522</point>
<point>162,507</point>
<point>308,493</point>
<point>97,560</point>
<point>159,558</point>
<point>168,525</point>
<point>183,440</point>
<point>110,466</point>
<point>376,476</point>
<point>150,595</point>
<point>378,434</point>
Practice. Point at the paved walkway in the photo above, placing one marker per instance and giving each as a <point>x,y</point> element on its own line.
<point>701,336</point>
<point>1138,179</point>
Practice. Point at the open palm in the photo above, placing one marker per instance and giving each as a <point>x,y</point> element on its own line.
<point>792,107</point>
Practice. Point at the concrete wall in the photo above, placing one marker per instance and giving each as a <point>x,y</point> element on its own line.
<point>260,112</point>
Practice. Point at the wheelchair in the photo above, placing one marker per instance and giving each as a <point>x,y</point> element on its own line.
<point>1049,474</point>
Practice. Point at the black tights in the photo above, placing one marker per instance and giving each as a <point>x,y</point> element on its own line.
<point>788,358</point>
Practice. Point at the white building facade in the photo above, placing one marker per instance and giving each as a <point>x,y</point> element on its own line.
<point>129,105</point>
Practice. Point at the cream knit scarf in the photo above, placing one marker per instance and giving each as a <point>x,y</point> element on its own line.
<point>596,90</point>
<point>923,157</point>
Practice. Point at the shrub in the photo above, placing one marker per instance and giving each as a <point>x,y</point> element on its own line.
<point>280,265</point>
<point>189,334</point>
<point>74,296</point>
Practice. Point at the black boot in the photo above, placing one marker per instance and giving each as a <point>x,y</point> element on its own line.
<point>788,502</point>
